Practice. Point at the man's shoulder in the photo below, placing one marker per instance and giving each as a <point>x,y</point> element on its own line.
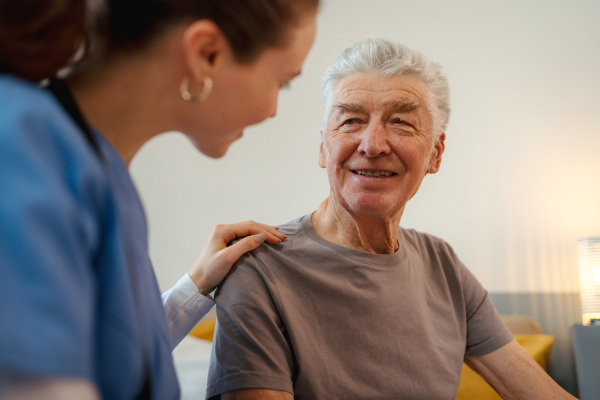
<point>293,230</point>
<point>425,243</point>
<point>270,263</point>
<point>294,227</point>
<point>297,236</point>
<point>420,238</point>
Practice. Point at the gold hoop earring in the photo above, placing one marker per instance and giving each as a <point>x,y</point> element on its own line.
<point>184,89</point>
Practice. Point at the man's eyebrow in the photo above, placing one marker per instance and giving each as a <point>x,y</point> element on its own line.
<point>349,107</point>
<point>403,106</point>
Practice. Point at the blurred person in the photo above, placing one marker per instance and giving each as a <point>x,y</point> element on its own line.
<point>82,314</point>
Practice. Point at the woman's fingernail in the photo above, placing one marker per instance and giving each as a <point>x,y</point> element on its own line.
<point>260,237</point>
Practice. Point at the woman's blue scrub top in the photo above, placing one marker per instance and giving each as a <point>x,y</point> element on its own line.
<point>78,295</point>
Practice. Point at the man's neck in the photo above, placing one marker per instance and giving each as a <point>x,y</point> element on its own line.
<point>371,234</point>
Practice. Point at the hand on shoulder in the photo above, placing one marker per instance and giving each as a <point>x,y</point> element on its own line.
<point>217,257</point>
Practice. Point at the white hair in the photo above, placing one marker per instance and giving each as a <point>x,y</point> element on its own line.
<point>389,59</point>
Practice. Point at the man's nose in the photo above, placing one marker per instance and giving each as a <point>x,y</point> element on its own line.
<point>374,140</point>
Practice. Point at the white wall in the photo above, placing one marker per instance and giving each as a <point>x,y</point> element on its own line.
<point>520,179</point>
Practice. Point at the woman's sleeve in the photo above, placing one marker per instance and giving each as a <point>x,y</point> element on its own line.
<point>184,306</point>
<point>48,237</point>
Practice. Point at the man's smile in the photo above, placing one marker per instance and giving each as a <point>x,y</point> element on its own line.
<point>373,174</point>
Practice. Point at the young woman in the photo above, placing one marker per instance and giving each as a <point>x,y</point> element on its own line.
<point>82,314</point>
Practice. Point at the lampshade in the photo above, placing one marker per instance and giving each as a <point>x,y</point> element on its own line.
<point>588,264</point>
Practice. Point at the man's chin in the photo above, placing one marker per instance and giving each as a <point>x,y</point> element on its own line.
<point>374,206</point>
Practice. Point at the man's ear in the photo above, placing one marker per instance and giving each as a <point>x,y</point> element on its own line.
<point>204,47</point>
<point>322,154</point>
<point>436,156</point>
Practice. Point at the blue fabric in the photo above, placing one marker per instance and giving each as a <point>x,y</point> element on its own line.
<point>73,255</point>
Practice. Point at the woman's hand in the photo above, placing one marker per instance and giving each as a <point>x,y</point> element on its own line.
<point>217,258</point>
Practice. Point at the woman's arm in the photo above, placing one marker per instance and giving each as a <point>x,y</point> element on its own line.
<point>515,375</point>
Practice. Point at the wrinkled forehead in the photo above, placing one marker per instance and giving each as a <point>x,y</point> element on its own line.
<point>377,90</point>
<point>379,93</point>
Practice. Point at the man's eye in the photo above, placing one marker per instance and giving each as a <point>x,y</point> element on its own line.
<point>398,122</point>
<point>350,121</point>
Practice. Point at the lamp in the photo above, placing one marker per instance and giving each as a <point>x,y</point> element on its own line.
<point>588,264</point>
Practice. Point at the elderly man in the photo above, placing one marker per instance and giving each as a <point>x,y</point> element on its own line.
<point>350,306</point>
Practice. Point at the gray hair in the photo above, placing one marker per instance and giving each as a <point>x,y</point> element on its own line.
<point>388,59</point>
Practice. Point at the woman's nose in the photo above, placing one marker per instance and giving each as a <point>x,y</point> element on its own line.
<point>374,140</point>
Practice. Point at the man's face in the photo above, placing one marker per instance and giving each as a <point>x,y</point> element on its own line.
<point>378,144</point>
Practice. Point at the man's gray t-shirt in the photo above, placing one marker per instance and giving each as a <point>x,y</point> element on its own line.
<point>323,321</point>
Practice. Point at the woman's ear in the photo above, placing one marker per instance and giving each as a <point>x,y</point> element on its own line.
<point>204,45</point>
<point>436,156</point>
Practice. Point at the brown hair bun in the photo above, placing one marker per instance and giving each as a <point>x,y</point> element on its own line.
<point>38,37</point>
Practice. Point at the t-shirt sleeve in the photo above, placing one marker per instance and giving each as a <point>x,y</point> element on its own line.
<point>46,235</point>
<point>250,349</point>
<point>485,330</point>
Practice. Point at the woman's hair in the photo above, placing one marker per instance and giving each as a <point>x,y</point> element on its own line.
<point>38,37</point>
<point>387,58</point>
<point>250,26</point>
